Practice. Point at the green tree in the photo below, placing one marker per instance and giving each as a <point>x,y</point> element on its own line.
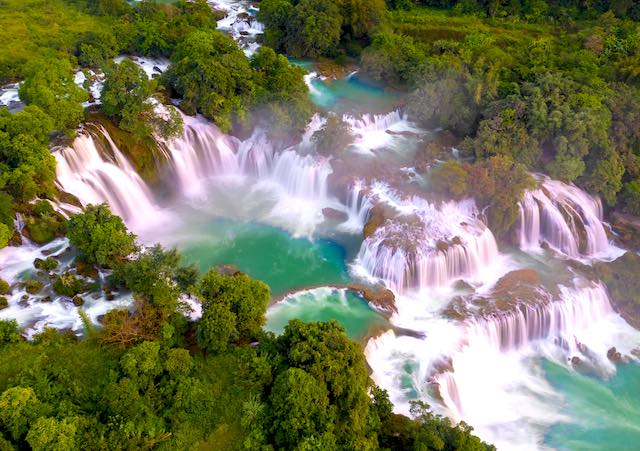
<point>313,29</point>
<point>212,76</point>
<point>239,300</point>
<point>48,84</point>
<point>100,236</point>
<point>19,407</point>
<point>27,167</point>
<point>450,178</point>
<point>299,407</point>
<point>50,434</point>
<point>9,332</point>
<point>217,327</point>
<point>128,97</point>
<point>282,96</point>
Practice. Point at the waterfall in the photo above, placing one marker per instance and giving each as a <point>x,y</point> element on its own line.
<point>427,245</point>
<point>96,175</point>
<point>292,187</point>
<point>377,131</point>
<point>359,204</point>
<point>571,326</point>
<point>565,217</point>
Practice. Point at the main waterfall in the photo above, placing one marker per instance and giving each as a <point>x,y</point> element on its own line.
<point>95,171</point>
<point>565,217</point>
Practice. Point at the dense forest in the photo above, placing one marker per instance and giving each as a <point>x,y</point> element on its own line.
<point>520,86</point>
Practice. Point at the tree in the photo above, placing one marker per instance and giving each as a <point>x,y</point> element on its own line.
<point>50,434</point>
<point>128,96</point>
<point>212,76</point>
<point>217,327</point>
<point>19,407</point>
<point>450,178</point>
<point>299,406</point>
<point>334,137</point>
<point>27,167</point>
<point>282,96</point>
<point>247,298</point>
<point>100,236</point>
<point>313,29</point>
<point>9,332</point>
<point>48,84</point>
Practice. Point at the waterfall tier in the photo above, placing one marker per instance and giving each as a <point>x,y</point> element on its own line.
<point>427,245</point>
<point>95,171</point>
<point>563,216</point>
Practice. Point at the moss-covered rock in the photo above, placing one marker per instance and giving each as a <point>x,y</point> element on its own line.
<point>32,286</point>
<point>78,301</point>
<point>86,269</point>
<point>42,224</point>
<point>48,264</point>
<point>4,303</point>
<point>143,154</point>
<point>4,287</point>
<point>69,285</point>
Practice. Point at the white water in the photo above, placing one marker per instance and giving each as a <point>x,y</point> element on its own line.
<point>494,379</point>
<point>426,245</point>
<point>240,23</point>
<point>566,218</point>
<point>95,176</point>
<point>377,131</point>
<point>284,188</point>
<point>60,313</point>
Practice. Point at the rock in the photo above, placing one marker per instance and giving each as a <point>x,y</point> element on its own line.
<point>157,69</point>
<point>46,299</point>
<point>462,285</point>
<point>69,198</point>
<point>627,227</point>
<point>86,269</point>
<point>614,355</point>
<point>16,239</point>
<point>576,361</point>
<point>24,301</point>
<point>32,286</point>
<point>78,301</point>
<point>381,298</point>
<point>623,283</point>
<point>377,216</point>
<point>442,246</point>
<point>334,215</point>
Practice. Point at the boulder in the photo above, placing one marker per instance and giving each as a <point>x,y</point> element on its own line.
<point>614,355</point>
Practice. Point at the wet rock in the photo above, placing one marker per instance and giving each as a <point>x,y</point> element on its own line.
<point>46,299</point>
<point>69,198</point>
<point>78,301</point>
<point>32,286</point>
<point>86,269</point>
<point>627,227</point>
<point>16,239</point>
<point>24,301</point>
<point>377,216</point>
<point>623,283</point>
<point>442,246</point>
<point>334,215</point>
<point>157,69</point>
<point>462,285</point>
<point>576,361</point>
<point>614,355</point>
<point>381,298</point>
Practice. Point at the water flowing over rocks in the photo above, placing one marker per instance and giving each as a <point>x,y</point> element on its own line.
<point>566,218</point>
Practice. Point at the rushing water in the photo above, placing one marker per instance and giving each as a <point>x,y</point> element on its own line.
<point>527,372</point>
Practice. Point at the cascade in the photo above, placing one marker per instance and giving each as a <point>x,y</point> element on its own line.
<point>568,325</point>
<point>359,204</point>
<point>376,131</point>
<point>96,175</point>
<point>427,245</point>
<point>565,217</point>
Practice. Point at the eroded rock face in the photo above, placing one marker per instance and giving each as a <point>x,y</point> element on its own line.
<point>334,215</point>
<point>622,277</point>
<point>628,229</point>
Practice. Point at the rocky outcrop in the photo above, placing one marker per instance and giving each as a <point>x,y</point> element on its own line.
<point>627,228</point>
<point>334,215</point>
<point>622,279</point>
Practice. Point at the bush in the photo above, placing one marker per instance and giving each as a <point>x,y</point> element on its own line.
<point>4,287</point>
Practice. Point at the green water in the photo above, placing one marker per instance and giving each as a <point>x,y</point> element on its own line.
<point>325,304</point>
<point>349,95</point>
<point>266,253</point>
<point>605,414</point>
